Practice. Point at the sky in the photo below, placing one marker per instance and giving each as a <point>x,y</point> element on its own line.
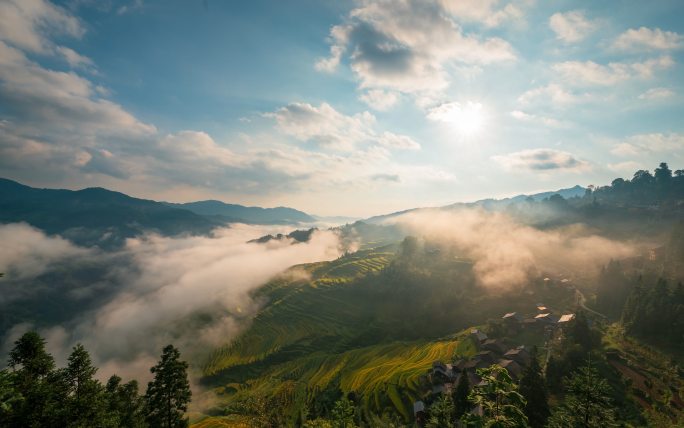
<point>338,108</point>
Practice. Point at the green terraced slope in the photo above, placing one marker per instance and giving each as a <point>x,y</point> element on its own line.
<point>371,323</point>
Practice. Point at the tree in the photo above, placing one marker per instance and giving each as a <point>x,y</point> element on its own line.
<point>9,397</point>
<point>580,333</point>
<point>33,371</point>
<point>441,413</point>
<point>30,356</point>
<point>86,405</point>
<point>533,388</point>
<point>663,174</point>
<point>343,414</point>
<point>498,399</point>
<point>125,403</point>
<point>460,396</point>
<point>168,394</point>
<point>587,403</point>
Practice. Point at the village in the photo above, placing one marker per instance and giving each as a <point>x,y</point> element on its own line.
<point>442,377</point>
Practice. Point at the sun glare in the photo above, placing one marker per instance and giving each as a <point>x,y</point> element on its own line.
<point>467,119</point>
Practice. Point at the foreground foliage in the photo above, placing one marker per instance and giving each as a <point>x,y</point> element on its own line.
<point>33,393</point>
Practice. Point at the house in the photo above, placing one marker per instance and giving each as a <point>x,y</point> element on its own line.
<point>512,317</point>
<point>511,367</point>
<point>564,319</point>
<point>519,355</point>
<point>478,335</point>
<point>542,309</point>
<point>494,345</point>
<point>547,318</point>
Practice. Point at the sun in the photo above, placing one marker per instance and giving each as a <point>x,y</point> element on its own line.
<point>467,119</point>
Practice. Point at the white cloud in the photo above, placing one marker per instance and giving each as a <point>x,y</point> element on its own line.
<point>552,93</point>
<point>157,285</point>
<point>571,27</point>
<point>73,58</point>
<point>408,46</point>
<point>542,160</point>
<point>624,167</point>
<point>591,73</point>
<point>648,39</point>
<point>657,93</point>
<point>644,144</point>
<point>379,99</point>
<point>26,24</point>
<point>26,252</point>
<point>533,118</point>
<point>394,141</point>
<point>487,12</point>
<point>332,129</point>
<point>55,100</point>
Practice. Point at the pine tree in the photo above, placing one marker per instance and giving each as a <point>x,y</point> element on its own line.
<point>580,333</point>
<point>533,388</point>
<point>499,400</point>
<point>10,397</point>
<point>86,404</point>
<point>125,403</point>
<point>33,370</point>
<point>587,404</point>
<point>441,413</point>
<point>460,395</point>
<point>168,394</point>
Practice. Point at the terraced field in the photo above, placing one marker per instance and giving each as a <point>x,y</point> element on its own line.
<point>370,322</point>
<point>386,376</point>
<point>294,323</point>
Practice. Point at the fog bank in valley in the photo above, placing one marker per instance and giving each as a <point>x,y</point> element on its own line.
<point>193,291</point>
<point>505,252</point>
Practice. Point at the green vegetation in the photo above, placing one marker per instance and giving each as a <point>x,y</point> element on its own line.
<point>587,404</point>
<point>370,324</point>
<point>499,400</point>
<point>35,394</point>
<point>533,389</point>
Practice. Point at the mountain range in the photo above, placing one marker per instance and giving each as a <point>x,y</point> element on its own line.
<point>105,218</point>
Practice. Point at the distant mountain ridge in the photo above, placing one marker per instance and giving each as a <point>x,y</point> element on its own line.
<point>490,203</point>
<point>234,212</point>
<point>106,218</point>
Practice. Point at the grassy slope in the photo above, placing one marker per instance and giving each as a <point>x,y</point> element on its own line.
<point>353,324</point>
<point>653,380</point>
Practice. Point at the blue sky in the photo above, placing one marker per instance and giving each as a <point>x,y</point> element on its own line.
<point>338,108</point>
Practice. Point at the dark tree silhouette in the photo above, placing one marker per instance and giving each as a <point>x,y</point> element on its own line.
<point>168,394</point>
<point>460,396</point>
<point>587,404</point>
<point>533,388</point>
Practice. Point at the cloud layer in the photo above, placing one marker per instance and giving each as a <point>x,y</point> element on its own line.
<point>195,292</point>
<point>506,254</point>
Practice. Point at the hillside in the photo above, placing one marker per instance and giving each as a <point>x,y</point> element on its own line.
<point>256,215</point>
<point>104,218</point>
<point>490,203</point>
<point>370,323</point>
<point>94,216</point>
